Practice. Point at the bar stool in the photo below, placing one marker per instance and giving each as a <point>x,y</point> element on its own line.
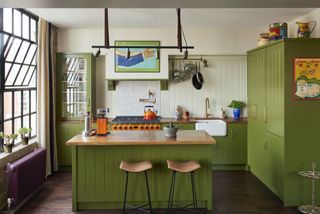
<point>183,167</point>
<point>136,168</point>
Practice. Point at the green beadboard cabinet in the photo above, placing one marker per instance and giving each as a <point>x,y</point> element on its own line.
<point>230,152</point>
<point>75,79</point>
<point>66,131</point>
<point>282,131</point>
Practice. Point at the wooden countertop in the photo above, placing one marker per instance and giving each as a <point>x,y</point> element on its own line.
<point>193,120</point>
<point>121,138</point>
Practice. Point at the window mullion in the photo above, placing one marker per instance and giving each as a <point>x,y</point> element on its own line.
<point>10,46</point>
<point>21,110</point>
<point>30,111</point>
<point>32,75</point>
<point>21,65</point>
<point>14,59</point>
<point>12,111</point>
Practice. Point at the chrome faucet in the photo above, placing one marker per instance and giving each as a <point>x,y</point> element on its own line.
<point>207,107</point>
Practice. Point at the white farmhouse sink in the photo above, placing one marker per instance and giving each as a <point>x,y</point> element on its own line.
<point>213,127</point>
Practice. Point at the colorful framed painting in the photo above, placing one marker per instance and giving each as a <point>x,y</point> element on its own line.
<point>137,60</point>
<point>307,78</point>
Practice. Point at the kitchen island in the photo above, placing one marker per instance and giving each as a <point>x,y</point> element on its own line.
<point>98,183</point>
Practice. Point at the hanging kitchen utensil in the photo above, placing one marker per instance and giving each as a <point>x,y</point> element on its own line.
<point>199,75</point>
<point>189,68</point>
<point>175,74</point>
<point>195,81</point>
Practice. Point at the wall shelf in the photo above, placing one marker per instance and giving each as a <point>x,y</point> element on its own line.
<point>164,84</point>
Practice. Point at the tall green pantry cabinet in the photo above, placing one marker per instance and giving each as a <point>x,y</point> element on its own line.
<point>282,132</point>
<point>75,79</point>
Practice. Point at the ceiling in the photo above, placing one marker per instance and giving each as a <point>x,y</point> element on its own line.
<point>161,3</point>
<point>166,18</point>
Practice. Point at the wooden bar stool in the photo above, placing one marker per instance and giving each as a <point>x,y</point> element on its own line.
<point>183,167</point>
<point>136,168</point>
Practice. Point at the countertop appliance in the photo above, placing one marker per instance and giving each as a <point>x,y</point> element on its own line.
<point>131,123</point>
<point>102,122</point>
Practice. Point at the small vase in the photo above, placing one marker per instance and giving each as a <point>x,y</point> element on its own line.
<point>236,113</point>
<point>7,148</point>
<point>25,140</point>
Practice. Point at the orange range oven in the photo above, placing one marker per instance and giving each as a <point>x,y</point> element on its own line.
<point>127,123</point>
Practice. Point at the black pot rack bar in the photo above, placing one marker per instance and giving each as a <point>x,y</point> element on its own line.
<point>108,46</point>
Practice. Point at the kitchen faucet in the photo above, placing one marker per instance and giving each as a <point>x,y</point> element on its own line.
<point>207,107</point>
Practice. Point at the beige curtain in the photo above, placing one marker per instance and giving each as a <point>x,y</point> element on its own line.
<point>46,92</point>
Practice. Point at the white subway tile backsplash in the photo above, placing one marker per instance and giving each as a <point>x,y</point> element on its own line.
<point>128,93</point>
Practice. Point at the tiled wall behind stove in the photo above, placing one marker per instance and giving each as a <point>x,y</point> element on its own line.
<point>128,94</point>
<point>225,79</point>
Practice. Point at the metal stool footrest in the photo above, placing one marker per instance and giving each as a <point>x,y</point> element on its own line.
<point>134,208</point>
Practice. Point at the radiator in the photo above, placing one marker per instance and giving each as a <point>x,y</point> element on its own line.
<point>26,175</point>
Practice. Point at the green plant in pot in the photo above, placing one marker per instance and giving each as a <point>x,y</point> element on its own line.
<point>236,105</point>
<point>8,141</point>
<point>24,133</point>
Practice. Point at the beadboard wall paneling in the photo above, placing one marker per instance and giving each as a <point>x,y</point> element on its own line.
<point>225,79</point>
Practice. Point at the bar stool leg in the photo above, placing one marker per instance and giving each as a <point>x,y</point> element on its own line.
<point>147,183</point>
<point>125,193</point>
<point>194,193</point>
<point>170,202</point>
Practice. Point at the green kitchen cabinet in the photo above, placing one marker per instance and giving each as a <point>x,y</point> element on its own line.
<point>75,79</point>
<point>75,85</point>
<point>282,131</point>
<point>181,126</point>
<point>230,152</point>
<point>65,131</point>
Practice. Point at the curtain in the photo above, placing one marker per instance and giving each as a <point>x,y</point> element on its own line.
<point>47,43</point>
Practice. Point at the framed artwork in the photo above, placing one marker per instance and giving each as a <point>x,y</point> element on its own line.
<point>307,78</point>
<point>137,60</point>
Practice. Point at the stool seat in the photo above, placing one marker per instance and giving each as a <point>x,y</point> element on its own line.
<point>135,167</point>
<point>184,167</point>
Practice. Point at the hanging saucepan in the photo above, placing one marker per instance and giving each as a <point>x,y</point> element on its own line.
<point>195,82</point>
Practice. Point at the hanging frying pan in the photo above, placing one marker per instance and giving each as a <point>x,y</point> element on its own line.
<point>195,82</point>
<point>199,75</point>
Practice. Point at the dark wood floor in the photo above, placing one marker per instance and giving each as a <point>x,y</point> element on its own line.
<point>234,192</point>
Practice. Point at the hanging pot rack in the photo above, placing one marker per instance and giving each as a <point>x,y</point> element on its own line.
<point>179,38</point>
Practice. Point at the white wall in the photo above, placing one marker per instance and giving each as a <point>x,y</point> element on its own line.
<point>223,83</point>
<point>206,41</point>
<point>313,16</point>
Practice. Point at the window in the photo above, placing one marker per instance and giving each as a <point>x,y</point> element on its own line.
<point>18,71</point>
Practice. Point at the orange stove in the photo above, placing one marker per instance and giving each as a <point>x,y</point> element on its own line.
<point>131,123</point>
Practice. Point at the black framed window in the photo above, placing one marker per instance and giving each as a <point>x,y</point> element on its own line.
<point>18,70</point>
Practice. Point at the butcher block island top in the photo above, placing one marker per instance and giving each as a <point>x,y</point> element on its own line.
<point>118,138</point>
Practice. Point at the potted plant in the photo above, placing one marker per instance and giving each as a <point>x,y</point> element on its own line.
<point>24,133</point>
<point>8,141</point>
<point>236,105</point>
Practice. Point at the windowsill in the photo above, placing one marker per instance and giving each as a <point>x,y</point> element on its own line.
<point>23,149</point>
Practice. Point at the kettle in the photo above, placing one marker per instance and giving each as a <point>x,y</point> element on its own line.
<point>149,113</point>
<point>304,30</point>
